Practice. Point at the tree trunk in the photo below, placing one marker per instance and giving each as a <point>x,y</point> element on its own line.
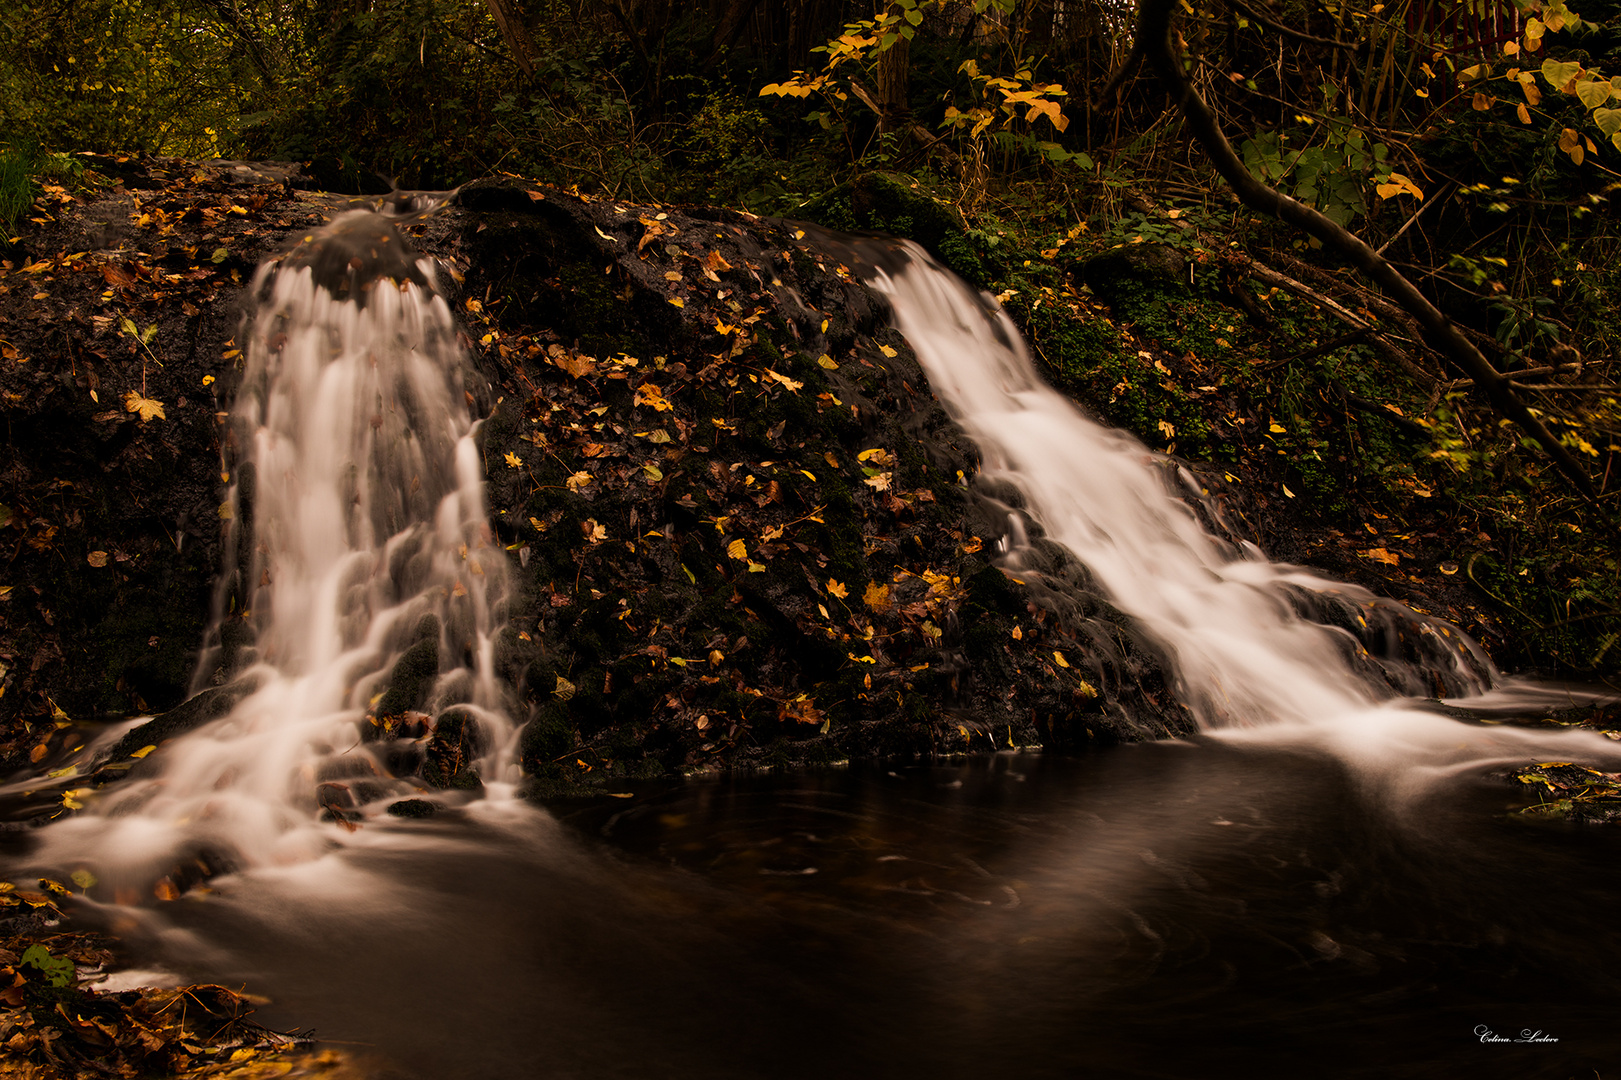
<point>509,21</point>
<point>894,66</point>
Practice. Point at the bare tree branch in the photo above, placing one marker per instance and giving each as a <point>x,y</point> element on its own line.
<point>1159,51</point>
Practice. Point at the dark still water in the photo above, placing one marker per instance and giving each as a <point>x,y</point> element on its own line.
<point>1176,910</point>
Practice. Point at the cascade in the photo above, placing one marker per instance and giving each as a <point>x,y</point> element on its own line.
<point>357,513</point>
<point>1232,621</point>
<point>358,536</point>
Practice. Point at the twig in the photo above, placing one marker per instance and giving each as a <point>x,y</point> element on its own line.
<point>1434,201</point>
<point>1551,369</point>
<point>1154,37</point>
<point>1273,22</point>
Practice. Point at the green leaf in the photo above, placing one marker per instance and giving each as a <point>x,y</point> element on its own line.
<point>1608,121</point>
<point>1558,74</point>
<point>1593,92</point>
<point>58,970</point>
<point>220,255</point>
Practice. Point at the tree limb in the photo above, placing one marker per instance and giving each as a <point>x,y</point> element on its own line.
<point>1154,39</point>
<point>1273,22</point>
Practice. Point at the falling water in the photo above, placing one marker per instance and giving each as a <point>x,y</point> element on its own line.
<point>1230,619</point>
<point>364,533</point>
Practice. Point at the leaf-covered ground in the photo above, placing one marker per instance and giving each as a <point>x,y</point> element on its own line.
<point>741,530</point>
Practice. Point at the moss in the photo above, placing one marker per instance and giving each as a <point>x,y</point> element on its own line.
<point>414,674</point>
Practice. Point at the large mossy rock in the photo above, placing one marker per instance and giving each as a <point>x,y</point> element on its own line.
<point>741,530</point>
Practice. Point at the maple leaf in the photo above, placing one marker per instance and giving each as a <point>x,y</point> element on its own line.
<point>593,532</point>
<point>513,459</point>
<point>879,482</point>
<point>876,596</point>
<point>650,395</point>
<point>1381,555</point>
<point>147,407</point>
<point>838,589</point>
<point>577,481</point>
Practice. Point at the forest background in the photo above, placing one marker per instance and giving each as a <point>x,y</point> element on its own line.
<point>1473,144</point>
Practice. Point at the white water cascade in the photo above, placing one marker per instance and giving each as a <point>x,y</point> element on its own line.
<point>1240,652</point>
<point>368,533</point>
<point>357,505</point>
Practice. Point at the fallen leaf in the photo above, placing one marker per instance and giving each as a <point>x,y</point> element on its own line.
<point>147,407</point>
<point>651,396</point>
<point>838,589</point>
<point>737,550</point>
<point>97,559</point>
<point>876,596</point>
<point>513,459</point>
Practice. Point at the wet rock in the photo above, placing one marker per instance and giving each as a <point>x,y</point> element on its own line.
<point>414,808</point>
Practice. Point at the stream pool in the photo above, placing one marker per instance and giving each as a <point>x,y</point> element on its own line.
<point>1188,909</point>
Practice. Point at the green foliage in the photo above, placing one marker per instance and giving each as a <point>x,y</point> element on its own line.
<point>58,970</point>
<point>22,172</point>
<point>1333,170</point>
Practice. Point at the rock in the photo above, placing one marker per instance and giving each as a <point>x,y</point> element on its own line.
<point>741,529</point>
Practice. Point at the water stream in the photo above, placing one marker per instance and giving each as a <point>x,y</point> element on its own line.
<point>1324,882</point>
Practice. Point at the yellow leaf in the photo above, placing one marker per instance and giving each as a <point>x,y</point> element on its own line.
<point>677,301</point>
<point>792,384</point>
<point>887,351</point>
<point>738,550</point>
<point>1381,555</point>
<point>147,407</point>
<point>513,459</point>
<point>575,483</point>
<point>650,395</point>
<point>838,589</point>
<point>1277,428</point>
<point>143,751</point>
<point>876,596</point>
<point>827,362</point>
<point>879,482</point>
<point>1058,658</point>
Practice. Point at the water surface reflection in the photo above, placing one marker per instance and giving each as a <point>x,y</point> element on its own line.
<point>1168,910</point>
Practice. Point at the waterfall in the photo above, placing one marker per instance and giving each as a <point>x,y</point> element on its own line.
<point>1231,621</point>
<point>364,535</point>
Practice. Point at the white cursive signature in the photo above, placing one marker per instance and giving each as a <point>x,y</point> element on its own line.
<point>1486,1035</point>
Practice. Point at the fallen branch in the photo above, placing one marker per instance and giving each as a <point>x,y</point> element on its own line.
<point>1391,351</point>
<point>1514,376</point>
<point>1154,39</point>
